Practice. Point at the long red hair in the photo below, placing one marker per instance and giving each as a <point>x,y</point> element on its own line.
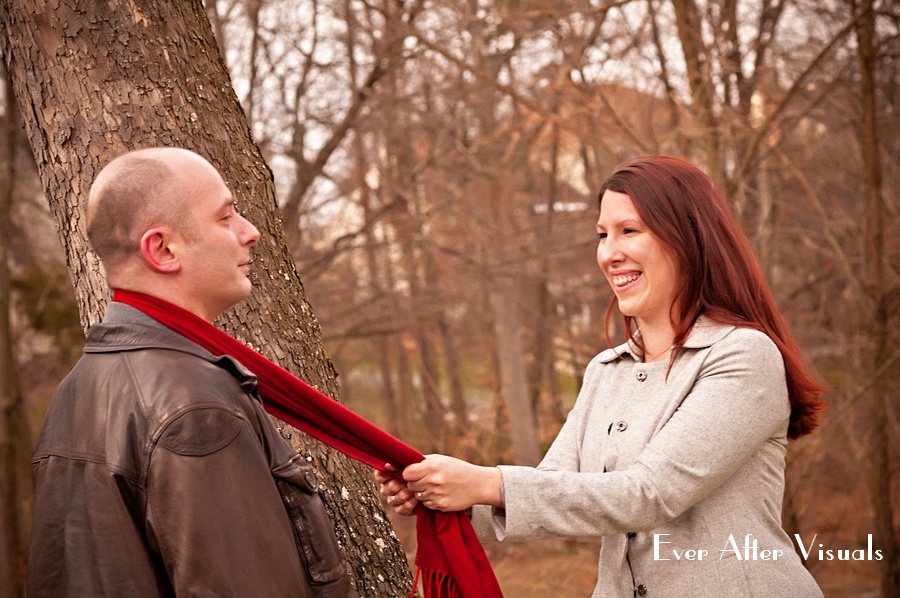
<point>720,275</point>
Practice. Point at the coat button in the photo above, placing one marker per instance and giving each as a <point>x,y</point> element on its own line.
<point>641,375</point>
<point>312,480</point>
<point>642,590</point>
<point>621,426</point>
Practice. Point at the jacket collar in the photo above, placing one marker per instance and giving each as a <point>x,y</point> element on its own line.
<point>704,333</point>
<point>125,328</point>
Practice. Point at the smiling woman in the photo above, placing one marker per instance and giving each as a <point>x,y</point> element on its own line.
<point>640,270</point>
<point>677,440</point>
<point>718,275</point>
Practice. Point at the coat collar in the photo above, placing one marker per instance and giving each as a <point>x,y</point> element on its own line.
<point>704,333</point>
<point>125,328</point>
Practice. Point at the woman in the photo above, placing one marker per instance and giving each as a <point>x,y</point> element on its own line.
<point>674,451</point>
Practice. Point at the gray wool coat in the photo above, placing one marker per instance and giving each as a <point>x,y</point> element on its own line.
<point>661,466</point>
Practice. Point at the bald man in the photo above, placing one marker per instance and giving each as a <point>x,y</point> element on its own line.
<point>157,472</point>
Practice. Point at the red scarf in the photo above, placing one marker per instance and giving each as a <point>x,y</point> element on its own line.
<point>450,560</point>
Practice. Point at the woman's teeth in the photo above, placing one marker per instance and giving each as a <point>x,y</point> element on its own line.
<point>623,280</point>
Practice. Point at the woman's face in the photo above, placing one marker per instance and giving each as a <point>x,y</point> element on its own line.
<point>635,262</point>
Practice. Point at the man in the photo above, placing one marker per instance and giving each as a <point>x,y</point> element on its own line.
<point>157,472</point>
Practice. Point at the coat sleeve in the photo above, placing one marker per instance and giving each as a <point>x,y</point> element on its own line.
<point>736,405</point>
<point>214,513</point>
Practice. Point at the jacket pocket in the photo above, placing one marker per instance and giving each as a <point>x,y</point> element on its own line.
<point>313,531</point>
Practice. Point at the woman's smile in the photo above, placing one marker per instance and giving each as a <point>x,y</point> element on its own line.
<point>635,262</point>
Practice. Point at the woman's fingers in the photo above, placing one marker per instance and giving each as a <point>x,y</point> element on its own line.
<point>395,491</point>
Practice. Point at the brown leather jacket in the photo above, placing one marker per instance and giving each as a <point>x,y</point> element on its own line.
<point>157,473</point>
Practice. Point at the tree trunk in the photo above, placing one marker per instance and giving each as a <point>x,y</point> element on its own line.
<point>457,444</point>
<point>95,79</point>
<point>504,299</point>
<point>429,380</point>
<point>543,376</point>
<point>15,439</point>
<point>876,312</point>
<point>513,374</point>
<point>696,58</point>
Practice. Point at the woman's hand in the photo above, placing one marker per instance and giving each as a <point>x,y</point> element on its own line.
<point>395,491</point>
<point>448,484</point>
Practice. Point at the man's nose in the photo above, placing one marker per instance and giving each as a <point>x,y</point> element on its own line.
<point>251,234</point>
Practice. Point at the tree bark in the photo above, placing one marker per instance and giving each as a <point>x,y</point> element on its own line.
<point>95,79</point>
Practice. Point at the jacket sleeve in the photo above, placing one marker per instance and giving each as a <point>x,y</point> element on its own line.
<point>214,513</point>
<point>737,404</point>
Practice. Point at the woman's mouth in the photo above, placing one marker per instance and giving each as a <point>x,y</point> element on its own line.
<point>622,281</point>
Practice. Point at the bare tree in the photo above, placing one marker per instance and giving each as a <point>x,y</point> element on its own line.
<point>699,74</point>
<point>15,438</point>
<point>875,301</point>
<point>466,168</point>
<point>94,83</point>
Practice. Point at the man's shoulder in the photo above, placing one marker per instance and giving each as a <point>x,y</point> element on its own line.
<point>115,336</point>
<point>125,399</point>
<point>151,383</point>
<point>166,378</point>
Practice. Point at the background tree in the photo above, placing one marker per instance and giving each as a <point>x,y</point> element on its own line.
<point>15,436</point>
<point>875,311</point>
<point>149,74</point>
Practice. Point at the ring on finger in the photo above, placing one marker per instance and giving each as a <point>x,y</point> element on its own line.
<point>419,495</point>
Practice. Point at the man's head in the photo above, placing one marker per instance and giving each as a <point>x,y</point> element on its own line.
<point>163,223</point>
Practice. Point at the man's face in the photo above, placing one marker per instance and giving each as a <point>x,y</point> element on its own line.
<point>215,247</point>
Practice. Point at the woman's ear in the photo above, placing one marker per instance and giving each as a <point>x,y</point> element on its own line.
<point>156,251</point>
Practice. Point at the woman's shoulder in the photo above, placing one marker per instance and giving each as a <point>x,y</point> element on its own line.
<point>707,333</point>
<point>739,344</point>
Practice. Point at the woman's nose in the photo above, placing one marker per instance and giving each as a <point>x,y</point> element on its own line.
<point>608,251</point>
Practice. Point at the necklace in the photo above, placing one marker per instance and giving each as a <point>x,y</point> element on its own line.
<point>654,357</point>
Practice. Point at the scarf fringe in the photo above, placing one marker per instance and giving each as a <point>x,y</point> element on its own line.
<point>435,584</point>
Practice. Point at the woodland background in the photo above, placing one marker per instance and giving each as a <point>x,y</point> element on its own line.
<point>437,166</point>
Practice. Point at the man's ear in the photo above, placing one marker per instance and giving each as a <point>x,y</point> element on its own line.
<point>156,251</point>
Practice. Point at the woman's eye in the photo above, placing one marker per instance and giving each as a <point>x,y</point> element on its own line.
<point>601,236</point>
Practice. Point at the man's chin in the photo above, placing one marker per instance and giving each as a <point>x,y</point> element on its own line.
<point>247,291</point>
<point>240,295</point>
